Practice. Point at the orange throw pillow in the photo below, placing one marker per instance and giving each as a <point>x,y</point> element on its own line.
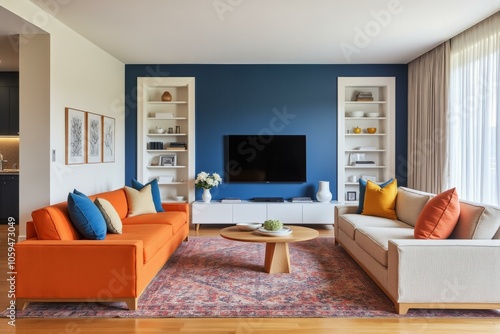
<point>379,201</point>
<point>439,216</point>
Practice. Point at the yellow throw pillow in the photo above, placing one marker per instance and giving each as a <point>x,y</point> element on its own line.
<point>140,202</point>
<point>379,201</point>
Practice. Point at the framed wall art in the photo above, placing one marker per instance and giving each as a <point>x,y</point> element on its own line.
<point>94,138</point>
<point>108,136</point>
<point>75,136</point>
<point>168,160</point>
<point>351,195</point>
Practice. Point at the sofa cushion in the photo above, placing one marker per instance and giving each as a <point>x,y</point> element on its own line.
<point>54,223</point>
<point>140,202</point>
<point>86,217</point>
<point>153,237</point>
<point>477,221</point>
<point>362,191</point>
<point>380,201</point>
<point>348,223</point>
<point>155,192</point>
<point>111,217</point>
<point>375,240</point>
<point>409,204</point>
<point>117,198</point>
<point>176,219</point>
<point>439,216</point>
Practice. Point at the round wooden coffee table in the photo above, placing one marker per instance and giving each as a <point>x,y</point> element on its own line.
<point>277,258</point>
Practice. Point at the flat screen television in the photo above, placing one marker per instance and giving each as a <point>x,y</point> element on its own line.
<point>266,159</point>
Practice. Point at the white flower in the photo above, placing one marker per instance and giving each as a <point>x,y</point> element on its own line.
<point>206,181</point>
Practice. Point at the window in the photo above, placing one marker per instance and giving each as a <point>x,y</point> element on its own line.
<point>474,109</point>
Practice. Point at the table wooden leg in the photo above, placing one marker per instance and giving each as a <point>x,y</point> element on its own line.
<point>277,258</point>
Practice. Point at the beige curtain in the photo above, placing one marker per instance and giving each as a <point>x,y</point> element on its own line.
<point>428,80</point>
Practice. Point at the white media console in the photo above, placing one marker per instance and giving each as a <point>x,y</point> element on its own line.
<point>216,212</point>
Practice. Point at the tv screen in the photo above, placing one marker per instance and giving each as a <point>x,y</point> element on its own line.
<point>266,158</point>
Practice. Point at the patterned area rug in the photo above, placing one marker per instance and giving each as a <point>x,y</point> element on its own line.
<point>214,277</point>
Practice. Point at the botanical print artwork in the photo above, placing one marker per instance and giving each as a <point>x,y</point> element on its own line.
<point>75,136</point>
<point>108,139</point>
<point>94,138</point>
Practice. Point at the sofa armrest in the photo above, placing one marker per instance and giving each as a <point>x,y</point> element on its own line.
<point>345,209</point>
<point>339,211</point>
<point>183,207</point>
<point>98,269</point>
<point>444,271</point>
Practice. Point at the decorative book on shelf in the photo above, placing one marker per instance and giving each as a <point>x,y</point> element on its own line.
<point>177,146</point>
<point>364,96</point>
<point>364,163</point>
<point>155,145</point>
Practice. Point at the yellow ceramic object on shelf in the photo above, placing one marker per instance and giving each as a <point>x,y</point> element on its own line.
<point>357,130</point>
<point>371,130</point>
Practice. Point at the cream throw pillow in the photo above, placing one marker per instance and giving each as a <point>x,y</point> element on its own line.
<point>140,202</point>
<point>111,217</point>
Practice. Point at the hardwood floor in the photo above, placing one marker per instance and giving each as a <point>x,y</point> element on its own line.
<point>232,325</point>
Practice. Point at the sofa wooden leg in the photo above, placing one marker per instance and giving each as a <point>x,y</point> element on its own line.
<point>197,227</point>
<point>132,303</point>
<point>401,308</point>
<point>21,304</point>
<point>186,238</point>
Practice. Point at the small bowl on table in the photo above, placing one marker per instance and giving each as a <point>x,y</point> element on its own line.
<point>248,226</point>
<point>371,130</point>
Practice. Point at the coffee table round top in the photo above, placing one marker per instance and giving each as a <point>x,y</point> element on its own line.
<point>299,233</point>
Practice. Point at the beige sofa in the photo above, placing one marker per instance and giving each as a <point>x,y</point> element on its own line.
<point>461,272</point>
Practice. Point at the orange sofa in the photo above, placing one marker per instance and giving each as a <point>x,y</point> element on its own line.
<point>55,264</point>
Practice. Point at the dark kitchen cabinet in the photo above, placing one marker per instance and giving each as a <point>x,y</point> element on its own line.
<point>9,198</point>
<point>9,103</point>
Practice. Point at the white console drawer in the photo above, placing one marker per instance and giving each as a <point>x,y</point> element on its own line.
<point>288,213</point>
<point>243,213</point>
<point>212,213</point>
<point>319,213</point>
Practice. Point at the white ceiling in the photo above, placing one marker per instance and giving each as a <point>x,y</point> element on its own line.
<point>269,31</point>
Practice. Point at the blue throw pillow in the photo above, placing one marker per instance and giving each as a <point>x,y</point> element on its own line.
<point>155,191</point>
<point>86,217</point>
<point>362,190</point>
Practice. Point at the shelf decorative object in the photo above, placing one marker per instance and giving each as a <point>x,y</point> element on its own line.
<point>166,97</point>
<point>324,195</point>
<point>206,196</point>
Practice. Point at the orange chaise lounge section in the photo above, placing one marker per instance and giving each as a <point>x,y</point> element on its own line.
<point>55,264</point>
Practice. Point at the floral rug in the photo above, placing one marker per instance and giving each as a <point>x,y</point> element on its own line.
<point>215,277</point>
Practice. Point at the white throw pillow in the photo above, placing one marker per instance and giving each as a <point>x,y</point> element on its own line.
<point>140,202</point>
<point>111,217</point>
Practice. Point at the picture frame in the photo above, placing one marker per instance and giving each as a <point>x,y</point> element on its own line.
<point>93,138</point>
<point>108,139</point>
<point>168,160</point>
<point>351,195</point>
<point>75,136</point>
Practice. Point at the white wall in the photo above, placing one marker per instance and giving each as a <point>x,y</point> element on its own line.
<point>81,76</point>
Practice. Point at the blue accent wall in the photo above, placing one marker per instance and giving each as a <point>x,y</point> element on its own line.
<point>267,99</point>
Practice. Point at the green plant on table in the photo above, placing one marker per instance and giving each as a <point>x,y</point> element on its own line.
<point>273,225</point>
